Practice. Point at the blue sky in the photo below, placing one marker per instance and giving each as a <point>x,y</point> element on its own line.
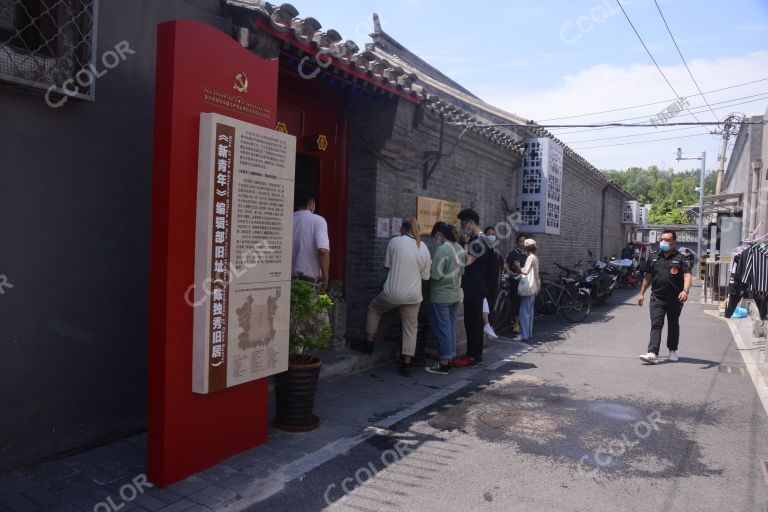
<point>549,59</point>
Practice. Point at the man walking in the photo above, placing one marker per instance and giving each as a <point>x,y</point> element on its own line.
<point>480,258</point>
<point>670,273</point>
<point>311,247</point>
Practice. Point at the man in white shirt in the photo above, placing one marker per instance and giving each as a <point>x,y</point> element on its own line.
<point>311,247</point>
<point>409,263</point>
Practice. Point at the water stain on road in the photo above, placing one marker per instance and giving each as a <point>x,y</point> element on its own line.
<point>612,438</point>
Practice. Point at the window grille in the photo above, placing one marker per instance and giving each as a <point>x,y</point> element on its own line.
<point>540,187</point>
<point>45,43</point>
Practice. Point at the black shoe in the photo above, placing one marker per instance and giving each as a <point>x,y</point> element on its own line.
<point>366,347</point>
<point>442,369</point>
<point>405,370</point>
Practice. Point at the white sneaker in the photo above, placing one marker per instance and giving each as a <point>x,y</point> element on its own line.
<point>649,358</point>
<point>672,356</point>
<point>519,338</point>
<point>489,331</point>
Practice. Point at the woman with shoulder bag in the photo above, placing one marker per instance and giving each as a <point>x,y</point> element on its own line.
<point>529,286</point>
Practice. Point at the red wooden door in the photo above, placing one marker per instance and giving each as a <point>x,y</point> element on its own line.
<point>315,113</point>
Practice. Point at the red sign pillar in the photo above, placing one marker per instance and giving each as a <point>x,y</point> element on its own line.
<point>199,69</point>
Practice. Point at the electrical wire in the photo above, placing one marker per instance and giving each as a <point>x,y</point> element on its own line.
<point>717,103</point>
<point>683,58</point>
<point>633,135</point>
<point>651,55</point>
<point>605,125</point>
<point>649,104</point>
<point>389,162</point>
<point>639,142</point>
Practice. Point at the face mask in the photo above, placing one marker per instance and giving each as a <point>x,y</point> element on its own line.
<point>491,238</point>
<point>665,246</point>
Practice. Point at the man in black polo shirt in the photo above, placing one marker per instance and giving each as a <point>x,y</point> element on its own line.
<point>480,258</point>
<point>670,273</point>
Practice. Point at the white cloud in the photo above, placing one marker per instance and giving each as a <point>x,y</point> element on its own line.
<point>605,87</point>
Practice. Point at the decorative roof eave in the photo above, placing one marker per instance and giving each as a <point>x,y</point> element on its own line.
<point>375,66</point>
<point>495,133</point>
<point>282,21</point>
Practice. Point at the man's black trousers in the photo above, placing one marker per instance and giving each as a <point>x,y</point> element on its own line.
<point>661,307</point>
<point>473,323</point>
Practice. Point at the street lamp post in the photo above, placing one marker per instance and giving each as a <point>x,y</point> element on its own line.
<point>703,159</point>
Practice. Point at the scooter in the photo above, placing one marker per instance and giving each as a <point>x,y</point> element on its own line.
<point>599,280</point>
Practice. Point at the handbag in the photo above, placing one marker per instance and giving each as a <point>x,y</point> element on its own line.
<point>526,287</point>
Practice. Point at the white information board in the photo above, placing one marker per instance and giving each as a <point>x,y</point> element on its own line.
<point>244,232</point>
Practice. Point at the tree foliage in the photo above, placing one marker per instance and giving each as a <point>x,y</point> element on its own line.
<point>663,189</point>
<point>310,328</point>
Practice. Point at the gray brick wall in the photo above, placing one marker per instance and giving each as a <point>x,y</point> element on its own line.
<point>478,174</point>
<point>580,228</point>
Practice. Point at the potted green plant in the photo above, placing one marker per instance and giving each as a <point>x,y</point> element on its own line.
<point>310,331</point>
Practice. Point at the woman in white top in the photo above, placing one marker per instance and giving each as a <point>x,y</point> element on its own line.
<point>531,269</point>
<point>409,262</point>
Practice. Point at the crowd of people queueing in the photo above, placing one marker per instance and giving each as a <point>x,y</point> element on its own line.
<point>464,268</point>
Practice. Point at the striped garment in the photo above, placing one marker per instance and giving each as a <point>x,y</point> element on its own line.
<point>755,274</point>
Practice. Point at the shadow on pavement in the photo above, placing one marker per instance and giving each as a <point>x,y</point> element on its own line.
<point>691,360</point>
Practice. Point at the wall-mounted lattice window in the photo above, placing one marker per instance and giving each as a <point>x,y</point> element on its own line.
<point>45,43</point>
<point>531,213</point>
<point>555,188</point>
<point>532,156</point>
<point>531,181</point>
<point>540,187</point>
<point>553,215</point>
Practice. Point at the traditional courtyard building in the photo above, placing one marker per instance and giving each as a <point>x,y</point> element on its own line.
<point>379,131</point>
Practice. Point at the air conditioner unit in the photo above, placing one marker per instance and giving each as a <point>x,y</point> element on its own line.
<point>630,212</point>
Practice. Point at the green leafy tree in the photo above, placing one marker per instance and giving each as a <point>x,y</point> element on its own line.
<point>663,189</point>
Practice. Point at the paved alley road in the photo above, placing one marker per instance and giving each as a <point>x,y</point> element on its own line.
<point>576,424</point>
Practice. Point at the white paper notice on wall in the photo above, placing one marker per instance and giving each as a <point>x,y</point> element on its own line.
<point>244,232</point>
<point>382,227</point>
<point>394,227</point>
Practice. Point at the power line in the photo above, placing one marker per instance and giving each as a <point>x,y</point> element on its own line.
<point>717,103</point>
<point>633,135</point>
<point>611,125</point>
<point>639,142</point>
<point>605,125</point>
<point>650,54</point>
<point>683,58</point>
<point>650,104</point>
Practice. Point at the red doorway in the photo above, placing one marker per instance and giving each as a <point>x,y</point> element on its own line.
<point>315,112</point>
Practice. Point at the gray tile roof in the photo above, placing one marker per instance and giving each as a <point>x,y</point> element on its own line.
<point>390,62</point>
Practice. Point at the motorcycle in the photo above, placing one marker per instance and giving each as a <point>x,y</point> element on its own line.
<point>626,276</point>
<point>599,279</point>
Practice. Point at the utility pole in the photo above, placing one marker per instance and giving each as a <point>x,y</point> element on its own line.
<point>703,159</point>
<point>729,126</point>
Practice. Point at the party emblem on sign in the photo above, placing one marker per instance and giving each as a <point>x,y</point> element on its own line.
<point>322,142</point>
<point>674,270</point>
<point>241,83</point>
<point>281,127</point>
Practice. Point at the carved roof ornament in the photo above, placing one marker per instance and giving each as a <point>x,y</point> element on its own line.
<point>391,69</point>
<point>282,16</point>
<point>304,30</point>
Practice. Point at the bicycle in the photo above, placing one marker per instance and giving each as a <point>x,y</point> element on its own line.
<point>502,307</point>
<point>568,299</point>
<point>565,296</point>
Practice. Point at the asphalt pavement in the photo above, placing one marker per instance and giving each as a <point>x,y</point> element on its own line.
<point>574,423</point>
